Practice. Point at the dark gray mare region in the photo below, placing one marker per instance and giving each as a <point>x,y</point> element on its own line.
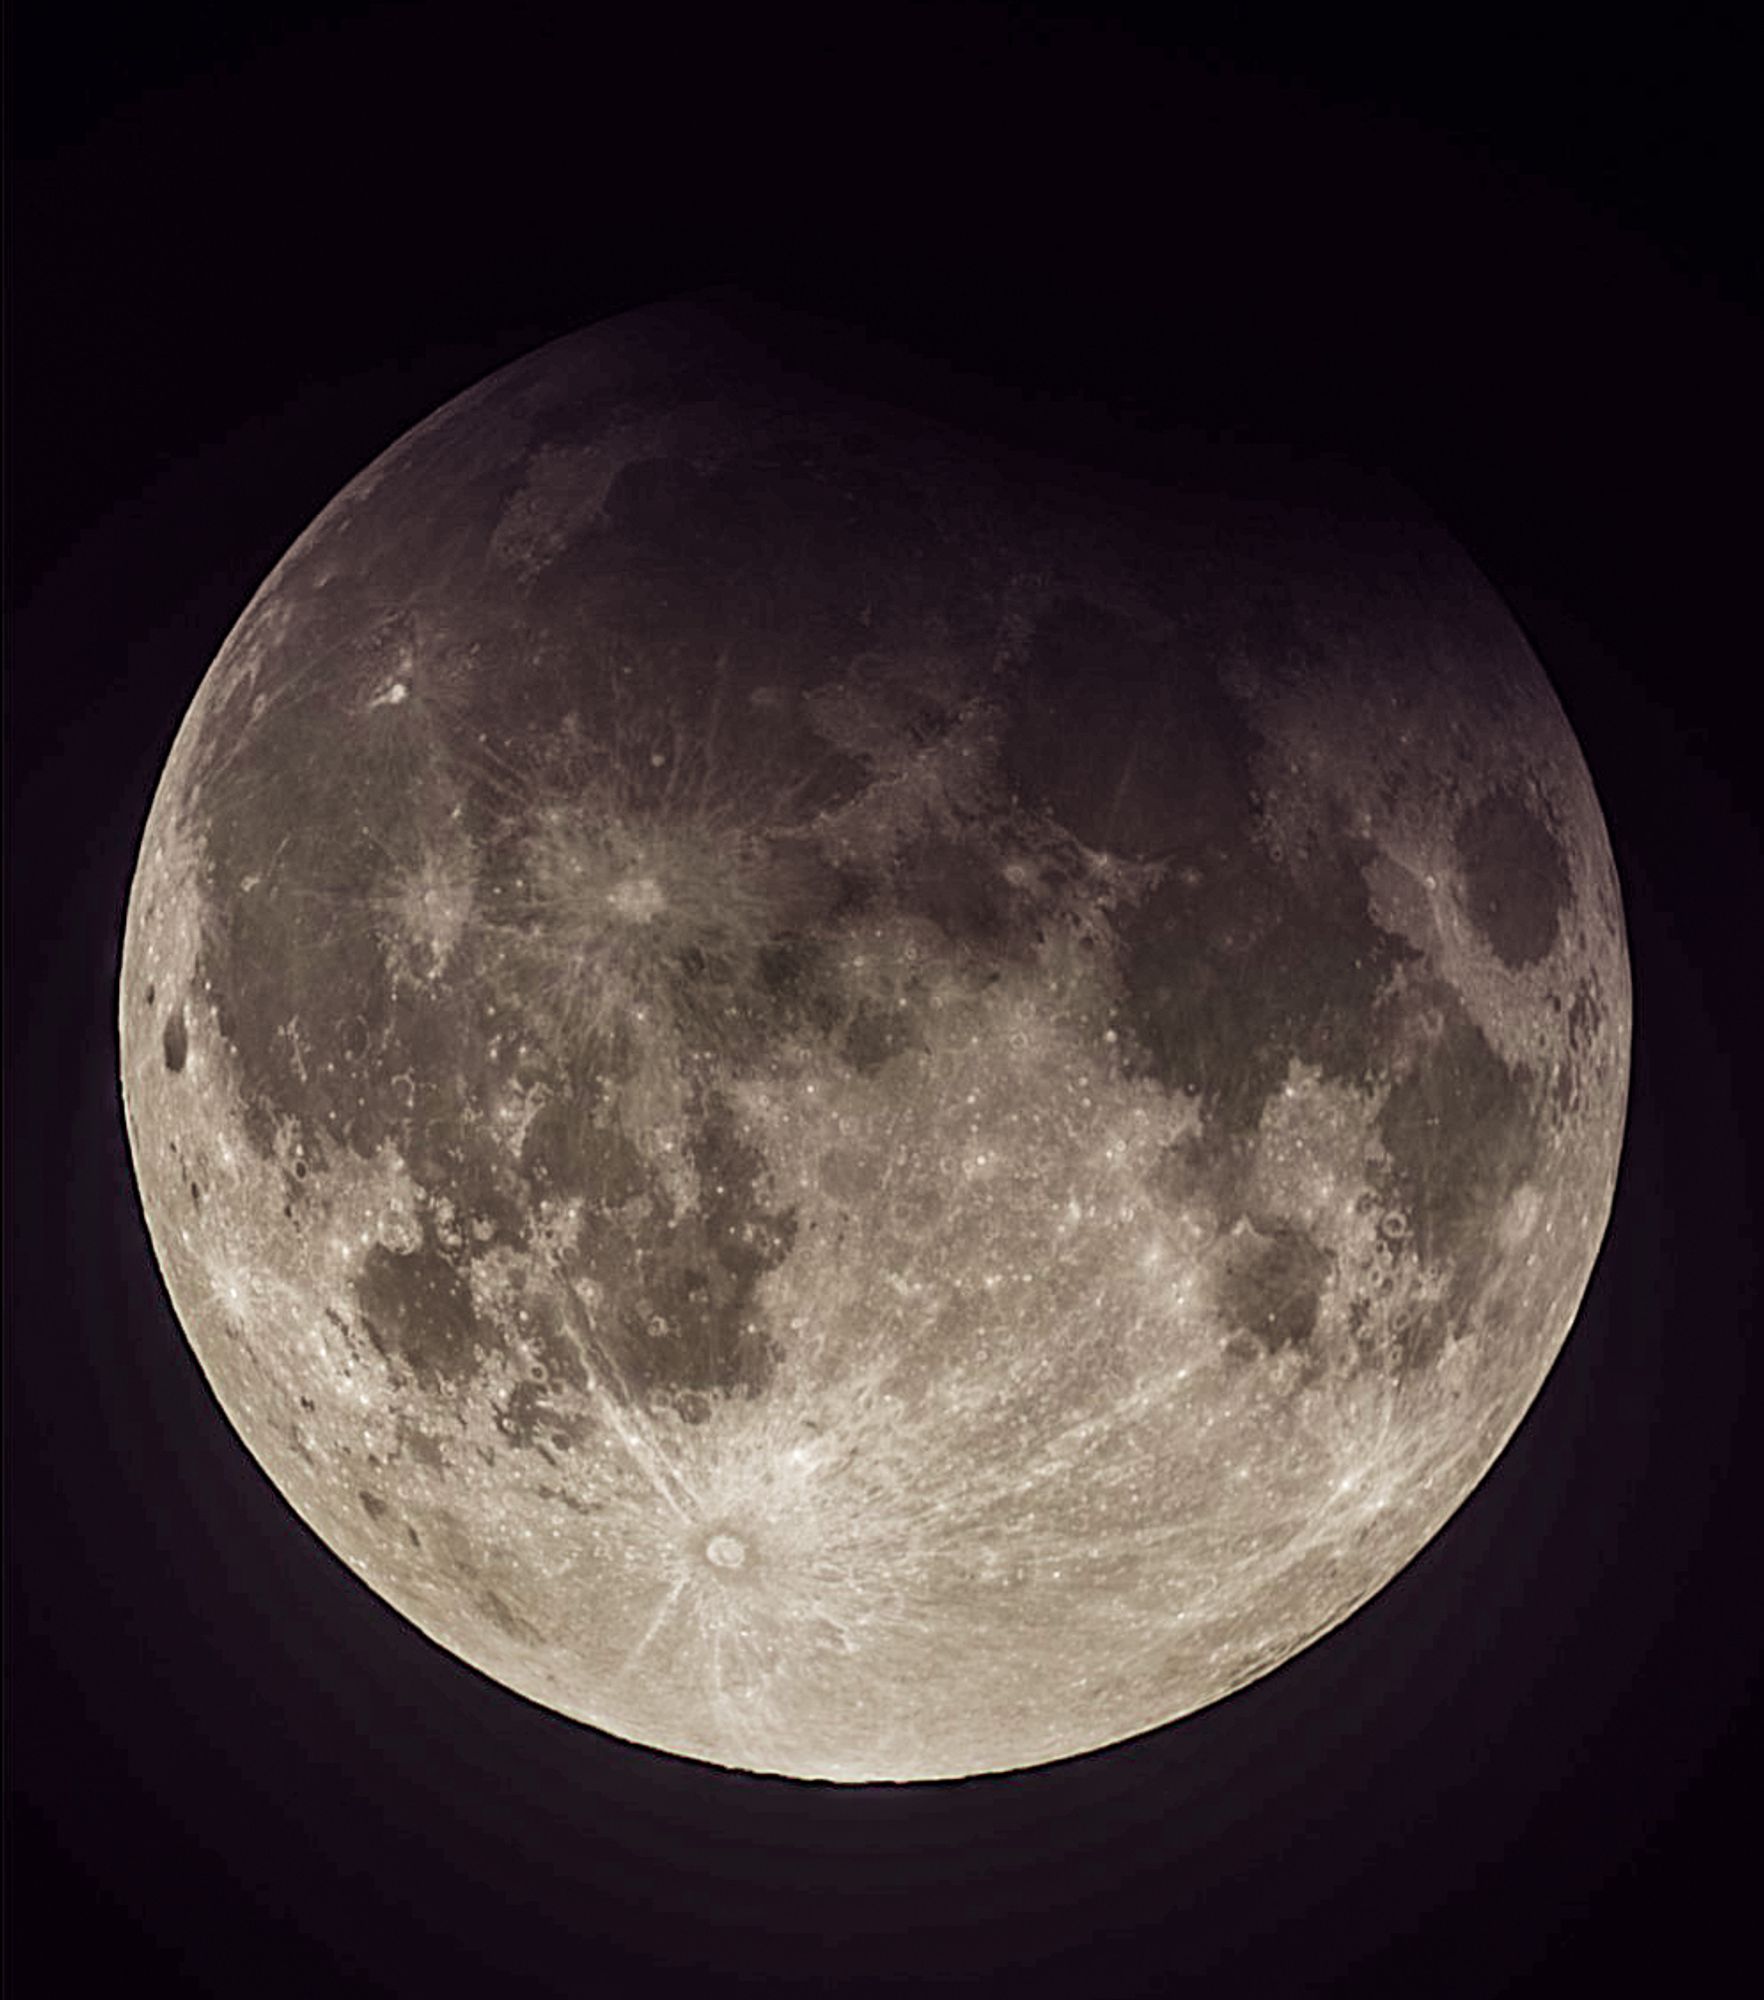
<point>647,607</point>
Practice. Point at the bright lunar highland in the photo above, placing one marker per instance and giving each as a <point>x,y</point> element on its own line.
<point>850,1103</point>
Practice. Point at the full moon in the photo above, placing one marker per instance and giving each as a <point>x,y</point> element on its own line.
<point>851,1102</point>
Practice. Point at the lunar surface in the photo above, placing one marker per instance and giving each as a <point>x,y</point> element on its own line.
<point>853,1105</point>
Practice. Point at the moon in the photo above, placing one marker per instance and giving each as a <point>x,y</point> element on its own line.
<point>856,1104</point>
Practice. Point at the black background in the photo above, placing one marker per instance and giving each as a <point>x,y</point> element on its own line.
<point>244,254</point>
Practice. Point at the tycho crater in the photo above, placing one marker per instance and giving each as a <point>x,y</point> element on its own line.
<point>852,1105</point>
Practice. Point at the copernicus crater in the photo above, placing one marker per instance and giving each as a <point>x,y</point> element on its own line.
<point>850,1105</point>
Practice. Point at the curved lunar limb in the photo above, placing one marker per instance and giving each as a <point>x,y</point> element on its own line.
<point>854,1109</point>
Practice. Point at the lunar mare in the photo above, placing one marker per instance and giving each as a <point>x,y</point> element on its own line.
<point>850,1106</point>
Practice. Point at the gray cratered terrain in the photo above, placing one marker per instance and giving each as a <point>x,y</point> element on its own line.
<point>850,1105</point>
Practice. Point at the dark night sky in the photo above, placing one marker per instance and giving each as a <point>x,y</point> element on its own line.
<point>242,258</point>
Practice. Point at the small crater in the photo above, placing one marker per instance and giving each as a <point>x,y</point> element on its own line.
<point>372,1504</point>
<point>726,1551</point>
<point>150,993</point>
<point>175,1042</point>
